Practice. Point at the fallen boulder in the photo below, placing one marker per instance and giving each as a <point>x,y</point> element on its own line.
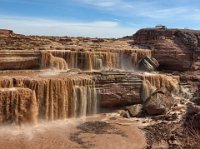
<point>134,110</point>
<point>159,103</point>
<point>148,64</point>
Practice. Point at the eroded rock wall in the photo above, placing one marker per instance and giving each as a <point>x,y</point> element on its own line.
<point>175,49</point>
<point>118,89</point>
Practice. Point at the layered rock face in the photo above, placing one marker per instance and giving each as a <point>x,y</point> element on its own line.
<point>123,89</point>
<point>118,89</point>
<point>19,60</point>
<point>175,49</point>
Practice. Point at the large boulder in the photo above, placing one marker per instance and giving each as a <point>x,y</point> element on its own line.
<point>159,103</point>
<point>134,110</point>
<point>148,64</point>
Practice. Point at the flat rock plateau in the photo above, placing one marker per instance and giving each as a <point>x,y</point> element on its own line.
<point>140,91</point>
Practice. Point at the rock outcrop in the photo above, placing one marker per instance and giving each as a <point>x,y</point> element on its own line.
<point>135,110</point>
<point>5,32</point>
<point>19,60</point>
<point>159,103</point>
<point>175,49</point>
<point>118,89</point>
<point>148,64</point>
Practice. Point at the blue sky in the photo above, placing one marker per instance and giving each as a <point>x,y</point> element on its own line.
<point>96,18</point>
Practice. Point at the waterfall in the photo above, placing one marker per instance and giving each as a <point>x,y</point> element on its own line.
<point>147,90</point>
<point>93,60</point>
<point>6,82</point>
<point>18,105</point>
<point>152,82</point>
<point>169,83</point>
<point>50,61</point>
<point>127,62</point>
<point>98,62</point>
<point>85,98</point>
<point>57,95</point>
<point>61,97</point>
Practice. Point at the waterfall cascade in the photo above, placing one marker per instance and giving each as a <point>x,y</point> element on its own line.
<point>58,92</point>
<point>56,97</point>
<point>50,61</point>
<point>90,60</point>
<point>153,82</point>
<point>18,105</point>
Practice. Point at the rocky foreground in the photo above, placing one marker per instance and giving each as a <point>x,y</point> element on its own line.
<point>147,82</point>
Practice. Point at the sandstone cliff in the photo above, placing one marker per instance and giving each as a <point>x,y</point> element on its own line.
<point>175,49</point>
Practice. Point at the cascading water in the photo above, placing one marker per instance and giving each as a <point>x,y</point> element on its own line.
<point>6,82</point>
<point>152,82</point>
<point>85,100</point>
<point>90,60</point>
<point>59,96</point>
<point>50,61</point>
<point>18,105</point>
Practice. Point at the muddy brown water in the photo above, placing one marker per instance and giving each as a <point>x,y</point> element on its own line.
<point>72,134</point>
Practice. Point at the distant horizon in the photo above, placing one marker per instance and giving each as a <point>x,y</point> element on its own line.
<point>96,37</point>
<point>96,18</point>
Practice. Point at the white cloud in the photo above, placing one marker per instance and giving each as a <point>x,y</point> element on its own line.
<point>164,13</point>
<point>148,9</point>
<point>40,26</point>
<point>110,5</point>
<point>102,3</point>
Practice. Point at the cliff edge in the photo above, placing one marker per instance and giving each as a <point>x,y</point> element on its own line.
<point>175,49</point>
